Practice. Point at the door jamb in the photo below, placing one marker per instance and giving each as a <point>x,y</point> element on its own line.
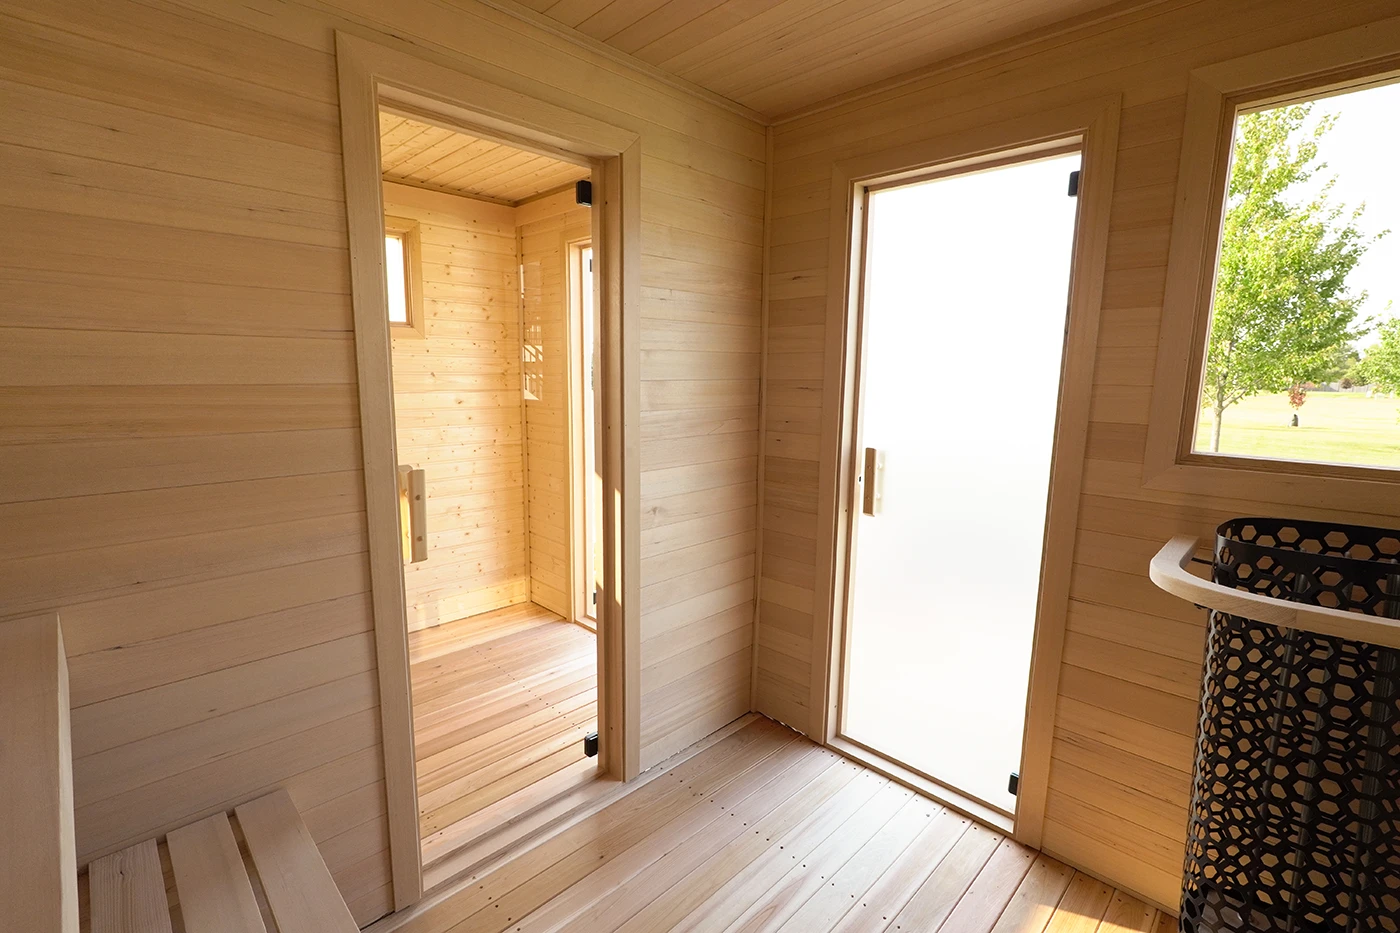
<point>573,243</point>
<point>1093,126</point>
<point>370,73</point>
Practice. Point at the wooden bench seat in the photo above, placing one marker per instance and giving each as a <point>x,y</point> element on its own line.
<point>219,889</point>
<point>215,885</point>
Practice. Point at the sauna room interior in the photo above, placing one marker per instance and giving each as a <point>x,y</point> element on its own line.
<point>819,466</point>
<point>492,337</point>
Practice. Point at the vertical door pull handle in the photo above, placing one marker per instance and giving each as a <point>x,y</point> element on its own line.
<point>868,481</point>
<point>413,514</point>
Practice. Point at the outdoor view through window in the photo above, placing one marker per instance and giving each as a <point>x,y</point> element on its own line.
<point>1303,359</point>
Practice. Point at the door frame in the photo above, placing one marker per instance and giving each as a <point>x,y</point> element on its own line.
<point>395,73</point>
<point>1091,127</point>
<point>573,243</point>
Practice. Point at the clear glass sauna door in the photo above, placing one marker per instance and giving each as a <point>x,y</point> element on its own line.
<point>966,286</point>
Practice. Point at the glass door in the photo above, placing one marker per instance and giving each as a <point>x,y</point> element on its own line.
<point>965,291</point>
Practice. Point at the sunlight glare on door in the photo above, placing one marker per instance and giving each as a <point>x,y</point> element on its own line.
<point>962,333</point>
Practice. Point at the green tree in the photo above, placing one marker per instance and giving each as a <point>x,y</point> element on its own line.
<point>1282,309</point>
<point>1345,358</point>
<point>1381,365</point>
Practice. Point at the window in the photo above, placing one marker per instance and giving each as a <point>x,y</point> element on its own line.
<point>396,273</point>
<point>1301,358</point>
<point>402,262</point>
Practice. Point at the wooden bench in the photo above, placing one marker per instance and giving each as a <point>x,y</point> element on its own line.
<point>256,870</point>
<point>217,889</point>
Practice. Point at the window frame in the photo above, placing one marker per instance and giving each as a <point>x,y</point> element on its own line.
<point>408,230</point>
<point>1349,60</point>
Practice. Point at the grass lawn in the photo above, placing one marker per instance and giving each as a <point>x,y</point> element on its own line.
<point>1334,427</point>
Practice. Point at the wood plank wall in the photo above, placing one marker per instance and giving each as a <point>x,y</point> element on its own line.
<point>457,408</point>
<point>543,226</point>
<point>178,421</point>
<point>1131,671</point>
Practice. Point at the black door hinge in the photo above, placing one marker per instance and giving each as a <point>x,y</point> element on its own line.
<point>1074,183</point>
<point>590,745</point>
<point>1014,784</point>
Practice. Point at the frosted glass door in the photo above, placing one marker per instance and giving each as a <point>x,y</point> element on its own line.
<point>966,285</point>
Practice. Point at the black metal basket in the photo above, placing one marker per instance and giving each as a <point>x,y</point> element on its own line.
<point>1295,808</point>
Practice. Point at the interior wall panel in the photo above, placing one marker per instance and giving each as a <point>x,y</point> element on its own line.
<point>1122,751</point>
<point>457,407</point>
<point>178,414</point>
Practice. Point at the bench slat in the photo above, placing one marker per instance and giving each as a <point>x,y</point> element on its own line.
<point>215,894</point>
<point>126,891</point>
<point>300,890</point>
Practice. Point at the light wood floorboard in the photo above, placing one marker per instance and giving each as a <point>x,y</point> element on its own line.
<point>765,830</point>
<point>501,700</point>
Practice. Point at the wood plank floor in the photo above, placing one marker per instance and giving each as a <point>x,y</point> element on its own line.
<point>501,700</point>
<point>764,830</point>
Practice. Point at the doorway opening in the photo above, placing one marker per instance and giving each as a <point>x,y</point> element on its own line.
<point>491,313</point>
<point>963,299</point>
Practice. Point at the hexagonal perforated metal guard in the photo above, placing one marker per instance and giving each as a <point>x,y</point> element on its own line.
<point>1295,809</point>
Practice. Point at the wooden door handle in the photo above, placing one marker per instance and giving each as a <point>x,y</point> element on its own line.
<point>868,481</point>
<point>413,514</point>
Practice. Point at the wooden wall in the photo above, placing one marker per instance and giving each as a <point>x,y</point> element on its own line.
<point>457,407</point>
<point>542,228</point>
<point>179,438</point>
<point>1131,673</point>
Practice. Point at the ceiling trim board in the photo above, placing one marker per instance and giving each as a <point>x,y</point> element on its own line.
<point>437,189</point>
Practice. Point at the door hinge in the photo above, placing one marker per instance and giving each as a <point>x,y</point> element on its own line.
<point>1074,183</point>
<point>590,745</point>
<point>583,193</point>
<point>1014,784</point>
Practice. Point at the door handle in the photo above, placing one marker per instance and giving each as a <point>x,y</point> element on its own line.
<point>413,514</point>
<point>868,481</point>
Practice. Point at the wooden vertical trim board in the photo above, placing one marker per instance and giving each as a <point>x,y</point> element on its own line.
<point>1215,95</point>
<point>762,414</point>
<point>1098,160</point>
<point>624,315</point>
<point>524,409</point>
<point>369,72</point>
<point>619,758</point>
<point>359,137</point>
<point>1092,128</point>
<point>571,244</point>
<point>39,878</point>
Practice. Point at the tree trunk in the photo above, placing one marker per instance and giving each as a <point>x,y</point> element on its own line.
<point>1217,415</point>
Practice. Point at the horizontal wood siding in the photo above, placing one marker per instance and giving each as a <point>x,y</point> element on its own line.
<point>457,408</point>
<point>178,418</point>
<point>1122,750</point>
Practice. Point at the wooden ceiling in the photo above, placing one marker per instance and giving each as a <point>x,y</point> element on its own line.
<point>778,56</point>
<point>427,156</point>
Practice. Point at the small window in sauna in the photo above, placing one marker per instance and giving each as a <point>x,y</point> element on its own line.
<point>395,258</point>
<point>1302,358</point>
